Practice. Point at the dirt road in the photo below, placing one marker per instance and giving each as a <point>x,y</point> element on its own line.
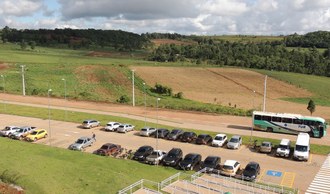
<point>179,119</point>
<point>290,173</point>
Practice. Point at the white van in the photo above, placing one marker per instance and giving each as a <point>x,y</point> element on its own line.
<point>283,149</point>
<point>301,151</point>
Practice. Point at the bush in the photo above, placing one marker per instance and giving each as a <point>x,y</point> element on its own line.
<point>8,177</point>
<point>160,89</point>
<point>178,95</point>
<point>123,99</point>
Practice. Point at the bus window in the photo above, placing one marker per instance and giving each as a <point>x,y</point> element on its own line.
<point>286,120</point>
<point>298,121</point>
<point>276,119</point>
<point>257,117</point>
<point>266,118</point>
<point>307,122</point>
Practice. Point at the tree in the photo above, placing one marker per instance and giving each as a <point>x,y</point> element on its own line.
<point>311,106</point>
<point>23,45</point>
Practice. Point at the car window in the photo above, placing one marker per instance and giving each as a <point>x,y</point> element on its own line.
<point>236,164</point>
<point>218,138</point>
<point>80,141</point>
<point>226,167</point>
<point>234,140</point>
<point>85,122</point>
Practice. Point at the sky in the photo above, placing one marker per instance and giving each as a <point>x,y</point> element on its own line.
<point>199,17</point>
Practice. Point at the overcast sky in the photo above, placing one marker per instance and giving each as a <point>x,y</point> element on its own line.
<point>261,17</point>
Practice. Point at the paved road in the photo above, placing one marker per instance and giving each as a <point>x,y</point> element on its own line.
<point>62,134</point>
<point>179,119</point>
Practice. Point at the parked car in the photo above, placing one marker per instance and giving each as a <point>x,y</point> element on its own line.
<point>155,157</point>
<point>22,132</point>
<point>161,133</point>
<point>251,171</point>
<point>124,128</point>
<point>36,134</point>
<point>8,130</point>
<point>108,149</point>
<point>219,140</point>
<point>147,131</point>
<point>173,157</point>
<point>88,124</point>
<point>230,168</point>
<point>82,143</point>
<point>175,134</point>
<point>204,139</point>
<point>190,161</point>
<point>188,137</point>
<point>111,126</point>
<point>211,163</point>
<point>235,142</point>
<point>266,147</point>
<point>142,153</point>
<point>283,149</point>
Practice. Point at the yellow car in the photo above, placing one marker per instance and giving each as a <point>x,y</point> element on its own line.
<point>36,134</point>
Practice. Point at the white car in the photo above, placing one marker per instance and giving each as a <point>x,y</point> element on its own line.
<point>230,168</point>
<point>219,140</point>
<point>112,126</point>
<point>8,130</point>
<point>147,131</point>
<point>155,157</point>
<point>235,142</point>
<point>123,128</point>
<point>88,124</point>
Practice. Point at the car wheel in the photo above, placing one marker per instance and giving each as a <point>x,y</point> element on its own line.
<point>46,135</point>
<point>35,139</point>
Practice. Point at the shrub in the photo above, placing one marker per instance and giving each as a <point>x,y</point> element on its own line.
<point>8,177</point>
<point>178,95</point>
<point>160,89</point>
<point>123,99</point>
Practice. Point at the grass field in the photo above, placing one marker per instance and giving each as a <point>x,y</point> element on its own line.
<point>247,38</point>
<point>79,116</point>
<point>44,169</point>
<point>318,85</point>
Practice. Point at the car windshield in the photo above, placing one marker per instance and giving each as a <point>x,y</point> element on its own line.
<point>144,129</point>
<point>189,158</point>
<point>80,141</point>
<point>104,147</point>
<point>172,155</point>
<point>20,130</point>
<point>121,126</point>
<point>233,140</point>
<point>155,154</point>
<point>34,133</point>
<point>210,161</point>
<point>187,134</point>
<point>6,129</point>
<point>284,147</point>
<point>175,131</point>
<point>218,138</point>
<point>301,148</point>
<point>110,125</point>
<point>226,167</point>
<point>143,149</point>
<point>85,122</point>
<point>250,168</point>
<point>201,136</point>
<point>265,144</point>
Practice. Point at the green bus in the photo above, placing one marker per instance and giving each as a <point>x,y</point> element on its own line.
<point>289,123</point>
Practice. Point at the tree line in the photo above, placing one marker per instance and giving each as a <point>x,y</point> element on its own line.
<point>268,55</point>
<point>319,39</point>
<point>77,38</point>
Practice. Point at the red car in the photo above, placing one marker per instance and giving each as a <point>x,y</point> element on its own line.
<point>108,149</point>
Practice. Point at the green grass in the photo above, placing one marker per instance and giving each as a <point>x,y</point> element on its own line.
<point>247,38</point>
<point>78,117</point>
<point>44,169</point>
<point>319,86</point>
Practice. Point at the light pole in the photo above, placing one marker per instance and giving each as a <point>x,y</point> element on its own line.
<point>4,91</point>
<point>145,104</point>
<point>254,94</point>
<point>23,79</point>
<point>265,92</point>
<point>158,99</point>
<point>49,129</point>
<point>66,111</point>
<point>133,87</point>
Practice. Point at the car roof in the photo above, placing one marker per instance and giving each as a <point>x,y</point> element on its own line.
<point>108,144</point>
<point>230,162</point>
<point>253,164</point>
<point>285,141</point>
<point>212,157</point>
<point>266,142</point>
<point>221,135</point>
<point>84,138</point>
<point>202,135</point>
<point>39,130</point>
<point>236,136</point>
<point>112,122</point>
<point>192,154</point>
<point>89,120</point>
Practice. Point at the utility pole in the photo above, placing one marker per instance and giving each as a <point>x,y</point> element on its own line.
<point>265,91</point>
<point>133,87</point>
<point>23,79</point>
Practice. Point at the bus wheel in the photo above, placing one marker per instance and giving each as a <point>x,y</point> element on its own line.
<point>269,129</point>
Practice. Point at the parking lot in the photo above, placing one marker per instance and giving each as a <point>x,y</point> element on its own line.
<point>280,171</point>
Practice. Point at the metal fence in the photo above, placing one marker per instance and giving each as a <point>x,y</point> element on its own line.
<point>147,185</point>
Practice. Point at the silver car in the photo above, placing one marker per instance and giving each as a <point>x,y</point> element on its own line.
<point>8,130</point>
<point>147,131</point>
<point>155,157</point>
<point>88,124</point>
<point>82,143</point>
<point>22,132</point>
<point>235,142</point>
<point>123,128</point>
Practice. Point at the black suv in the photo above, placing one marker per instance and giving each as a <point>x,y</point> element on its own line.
<point>161,133</point>
<point>175,134</point>
<point>142,153</point>
<point>188,137</point>
<point>190,161</point>
<point>204,139</point>
<point>251,171</point>
<point>211,163</point>
<point>173,157</point>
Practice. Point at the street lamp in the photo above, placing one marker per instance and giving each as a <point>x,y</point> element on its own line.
<point>49,129</point>
<point>145,104</point>
<point>23,79</point>
<point>66,111</point>
<point>158,99</point>
<point>4,91</point>
<point>254,94</point>
<point>133,87</point>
